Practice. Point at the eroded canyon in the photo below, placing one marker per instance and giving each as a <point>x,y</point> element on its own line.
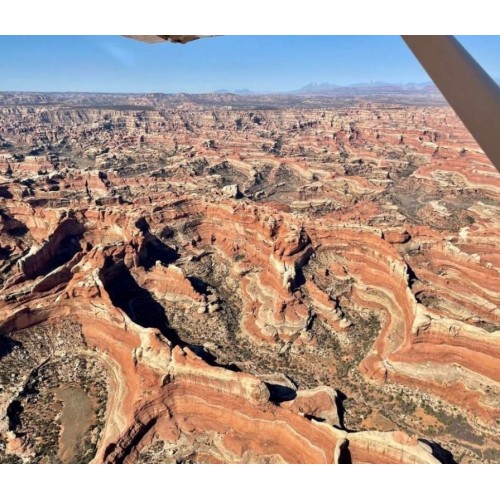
<point>186,281</point>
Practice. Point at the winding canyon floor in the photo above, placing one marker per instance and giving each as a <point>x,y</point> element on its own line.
<point>191,281</point>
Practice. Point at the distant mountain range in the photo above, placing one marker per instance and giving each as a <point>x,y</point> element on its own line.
<point>333,88</point>
<point>326,87</point>
<point>316,87</point>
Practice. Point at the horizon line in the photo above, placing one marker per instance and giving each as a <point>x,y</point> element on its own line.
<point>244,91</point>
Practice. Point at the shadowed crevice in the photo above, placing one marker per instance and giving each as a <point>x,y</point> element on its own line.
<point>134,300</point>
<point>443,455</point>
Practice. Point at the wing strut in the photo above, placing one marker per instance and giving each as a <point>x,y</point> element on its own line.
<point>471,92</point>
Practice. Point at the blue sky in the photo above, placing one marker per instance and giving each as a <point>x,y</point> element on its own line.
<point>260,63</point>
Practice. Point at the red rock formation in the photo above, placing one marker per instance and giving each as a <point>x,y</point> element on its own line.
<point>361,254</point>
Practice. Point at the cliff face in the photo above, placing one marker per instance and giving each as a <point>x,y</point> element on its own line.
<point>227,278</point>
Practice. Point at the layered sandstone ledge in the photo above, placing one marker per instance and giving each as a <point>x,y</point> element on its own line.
<point>162,392</point>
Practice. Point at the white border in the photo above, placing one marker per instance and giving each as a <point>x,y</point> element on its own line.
<point>254,482</point>
<point>203,17</point>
